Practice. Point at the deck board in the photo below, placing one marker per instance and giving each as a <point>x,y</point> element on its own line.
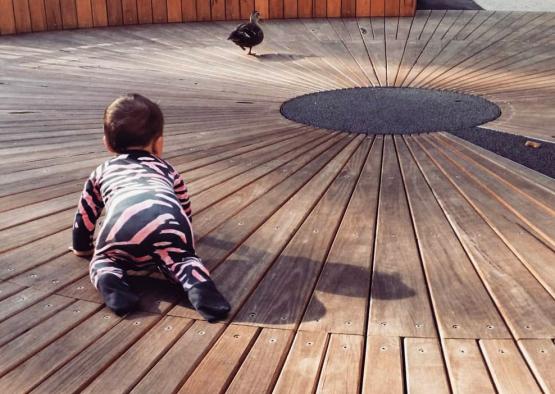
<point>316,236</point>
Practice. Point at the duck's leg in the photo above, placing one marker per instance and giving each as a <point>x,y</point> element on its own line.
<point>250,51</point>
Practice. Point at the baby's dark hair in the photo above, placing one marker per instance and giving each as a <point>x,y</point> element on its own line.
<point>132,120</point>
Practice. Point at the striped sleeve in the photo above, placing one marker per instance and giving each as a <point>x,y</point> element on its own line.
<point>182,194</point>
<point>88,210</point>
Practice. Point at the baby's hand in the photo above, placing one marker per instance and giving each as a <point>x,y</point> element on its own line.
<point>82,253</point>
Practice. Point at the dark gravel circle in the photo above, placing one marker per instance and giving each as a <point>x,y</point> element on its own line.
<point>390,110</point>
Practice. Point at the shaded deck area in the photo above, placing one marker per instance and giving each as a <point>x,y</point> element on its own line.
<point>353,263</point>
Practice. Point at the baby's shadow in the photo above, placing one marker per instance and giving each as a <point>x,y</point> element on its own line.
<point>285,290</point>
<point>288,292</point>
<point>157,294</point>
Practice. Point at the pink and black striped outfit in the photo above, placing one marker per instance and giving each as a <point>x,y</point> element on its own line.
<point>147,223</point>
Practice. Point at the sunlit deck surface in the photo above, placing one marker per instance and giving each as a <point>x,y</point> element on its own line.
<point>416,262</point>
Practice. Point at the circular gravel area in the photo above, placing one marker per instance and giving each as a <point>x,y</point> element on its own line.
<point>390,110</point>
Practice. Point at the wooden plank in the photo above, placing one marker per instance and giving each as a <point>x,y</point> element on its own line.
<point>25,345</point>
<point>287,181</point>
<point>204,178</point>
<point>348,9</point>
<point>238,228</point>
<point>416,54</point>
<point>517,235</point>
<point>407,7</point>
<point>397,272</point>
<point>247,6</point>
<point>16,261</point>
<point>144,11</point>
<point>53,15</point>
<point>22,15</point>
<point>462,20</point>
<point>377,7</point>
<point>376,52</point>
<point>19,301</point>
<point>467,371</point>
<point>268,241</point>
<point>38,15</point>
<point>30,317</point>
<point>186,352</point>
<point>78,372</point>
<point>330,8</point>
<point>189,10</point>
<point>522,184</point>
<point>508,167</point>
<point>391,8</point>
<point>263,6</point>
<point>177,14</point>
<point>124,373</point>
<point>156,293</point>
<point>100,13</point>
<point>425,371</point>
<point>7,17</point>
<point>290,8</point>
<point>507,367</point>
<point>221,363</point>
<point>383,366</point>
<point>344,283</point>
<point>159,11</point>
<point>526,306</point>
<point>232,10</point>
<point>30,231</point>
<point>69,14</point>
<point>281,297</point>
<point>540,357</point>
<point>301,370</point>
<point>275,9</point>
<point>8,288</point>
<point>129,12</point>
<point>217,9</point>
<point>236,193</point>
<point>115,12</point>
<point>477,316</point>
<point>362,8</point>
<point>84,13</point>
<point>261,367</point>
<point>533,208</point>
<point>204,10</point>
<point>54,274</point>
<point>445,25</point>
<point>25,214</point>
<point>342,365</point>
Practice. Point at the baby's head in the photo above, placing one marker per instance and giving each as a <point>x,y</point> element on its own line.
<point>133,122</point>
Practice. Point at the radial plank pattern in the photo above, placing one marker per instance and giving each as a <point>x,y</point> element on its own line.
<point>352,262</point>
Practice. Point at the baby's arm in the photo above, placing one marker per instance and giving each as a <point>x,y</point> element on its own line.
<point>89,209</point>
<point>182,194</point>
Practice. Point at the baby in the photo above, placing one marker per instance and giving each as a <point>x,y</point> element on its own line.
<point>148,218</point>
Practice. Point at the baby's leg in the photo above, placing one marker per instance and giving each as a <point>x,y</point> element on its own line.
<point>110,279</point>
<point>193,276</point>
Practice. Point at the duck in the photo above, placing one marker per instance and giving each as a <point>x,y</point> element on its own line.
<point>248,35</point>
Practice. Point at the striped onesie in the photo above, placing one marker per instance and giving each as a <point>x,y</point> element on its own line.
<point>147,223</point>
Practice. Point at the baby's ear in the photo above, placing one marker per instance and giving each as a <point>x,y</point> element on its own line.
<point>158,146</point>
<point>107,145</point>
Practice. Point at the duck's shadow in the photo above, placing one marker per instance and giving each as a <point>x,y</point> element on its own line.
<point>281,57</point>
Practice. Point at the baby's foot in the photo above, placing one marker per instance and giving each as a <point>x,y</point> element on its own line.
<point>117,294</point>
<point>208,301</point>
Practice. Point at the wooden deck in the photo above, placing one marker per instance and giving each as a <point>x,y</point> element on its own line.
<point>375,264</point>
